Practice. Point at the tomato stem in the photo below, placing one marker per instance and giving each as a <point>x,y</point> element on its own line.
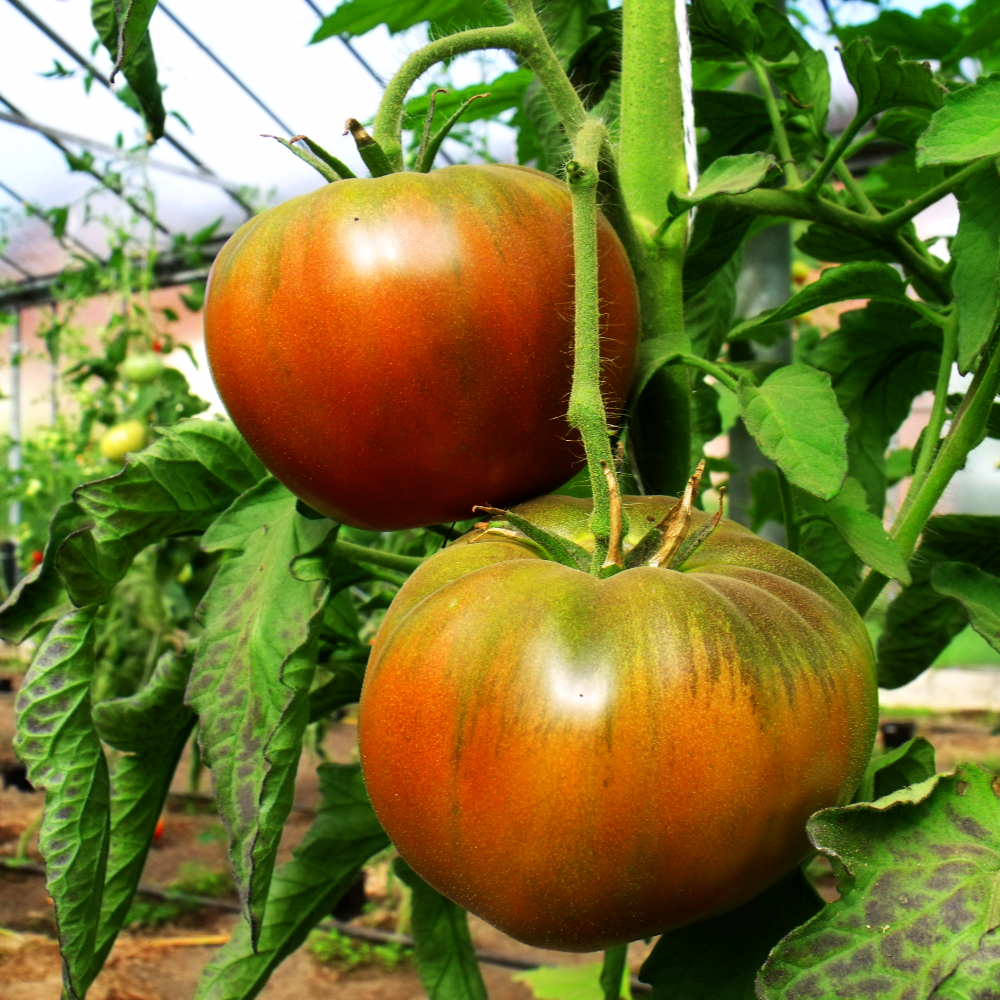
<point>377,557</point>
<point>586,404</point>
<point>615,556</point>
<point>371,152</point>
<point>524,37</point>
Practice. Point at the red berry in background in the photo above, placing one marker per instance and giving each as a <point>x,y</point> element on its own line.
<point>158,346</point>
<point>36,557</point>
<point>161,825</point>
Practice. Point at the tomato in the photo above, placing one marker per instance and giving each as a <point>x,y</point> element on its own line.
<point>119,440</point>
<point>586,762</point>
<point>398,349</point>
<point>142,368</point>
<point>161,826</point>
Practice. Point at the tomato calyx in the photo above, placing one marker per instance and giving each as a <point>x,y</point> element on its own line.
<point>560,550</point>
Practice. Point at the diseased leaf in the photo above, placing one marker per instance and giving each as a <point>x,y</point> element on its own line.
<point>176,486</point>
<point>909,764</point>
<point>343,836</point>
<point>978,592</point>
<point>917,873</point>
<point>253,670</point>
<point>966,128</point>
<point>857,280</point>
<point>920,622</point>
<point>59,746</point>
<point>718,959</point>
<point>40,595</point>
<point>863,531</point>
<point>976,249</point>
<point>138,64</point>
<point>154,726</point>
<point>888,81</point>
<point>446,959</point>
<point>795,419</point>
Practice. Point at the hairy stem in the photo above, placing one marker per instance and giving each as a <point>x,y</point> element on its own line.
<point>966,432</point>
<point>774,113</point>
<point>586,405</point>
<point>934,194</point>
<point>524,37</point>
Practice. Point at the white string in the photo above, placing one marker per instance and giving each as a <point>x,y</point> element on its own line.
<point>687,93</point>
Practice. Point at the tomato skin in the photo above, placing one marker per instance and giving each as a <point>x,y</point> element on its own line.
<point>585,762</point>
<point>399,349</point>
<point>119,440</point>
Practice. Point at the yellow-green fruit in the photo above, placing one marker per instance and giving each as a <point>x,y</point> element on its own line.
<point>119,440</point>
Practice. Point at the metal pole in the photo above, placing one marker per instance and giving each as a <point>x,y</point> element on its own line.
<point>8,555</point>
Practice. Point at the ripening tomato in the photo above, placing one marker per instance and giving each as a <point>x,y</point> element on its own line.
<point>585,762</point>
<point>119,440</point>
<point>398,349</point>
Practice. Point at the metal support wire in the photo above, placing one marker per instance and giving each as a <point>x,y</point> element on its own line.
<point>106,83</point>
<point>347,44</point>
<point>17,267</point>
<point>225,69</point>
<point>14,455</point>
<point>104,147</point>
<point>35,210</point>
<point>101,178</point>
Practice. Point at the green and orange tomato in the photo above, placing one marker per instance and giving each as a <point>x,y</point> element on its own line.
<point>583,762</point>
<point>399,349</point>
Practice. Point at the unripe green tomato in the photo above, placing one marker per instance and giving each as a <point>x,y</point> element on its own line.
<point>142,368</point>
<point>119,440</point>
<point>584,762</point>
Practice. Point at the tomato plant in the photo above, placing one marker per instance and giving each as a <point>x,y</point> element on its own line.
<point>333,319</point>
<point>720,713</point>
<point>524,713</point>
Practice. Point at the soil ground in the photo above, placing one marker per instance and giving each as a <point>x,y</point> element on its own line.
<point>162,960</point>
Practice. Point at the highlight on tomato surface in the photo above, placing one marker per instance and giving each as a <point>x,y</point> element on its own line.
<point>399,349</point>
<point>584,762</point>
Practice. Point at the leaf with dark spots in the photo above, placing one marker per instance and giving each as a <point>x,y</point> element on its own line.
<point>344,835</point>
<point>64,757</point>
<point>178,485</point>
<point>917,871</point>
<point>252,673</point>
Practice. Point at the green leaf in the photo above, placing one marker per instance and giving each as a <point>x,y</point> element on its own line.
<point>904,125</point>
<point>40,596</point>
<point>765,491</point>
<point>976,281</point>
<point>726,175</point>
<point>136,59</point>
<point>920,622</point>
<point>59,746</point>
<point>966,128</point>
<point>736,123</point>
<point>898,180</point>
<point>930,36</point>
<point>978,592</point>
<point>446,959</point>
<point>833,246</point>
<point>863,531</point>
<point>797,423</point>
<point>857,280</point>
<point>253,670</point>
<point>358,17</point>
<point>504,93</point>
<point>888,81</point>
<point>563,982</point>
<point>154,726</point>
<point>824,546</point>
<point>343,836</point>
<point>917,872</point>
<point>344,689</point>
<point>178,485</point>
<point>721,29</point>
<point>715,244</point>
<point>909,764</point>
<point>809,81</point>
<point>718,959</point>
<point>880,359</point>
